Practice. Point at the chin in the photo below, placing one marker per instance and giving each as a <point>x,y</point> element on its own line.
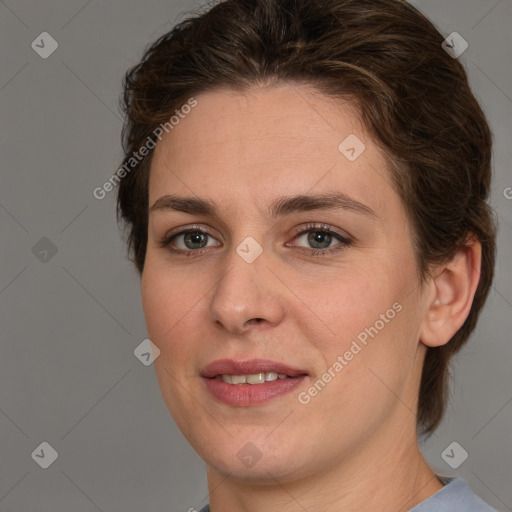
<point>264,472</point>
<point>245,460</point>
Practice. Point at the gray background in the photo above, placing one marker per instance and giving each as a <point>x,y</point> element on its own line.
<point>69,325</point>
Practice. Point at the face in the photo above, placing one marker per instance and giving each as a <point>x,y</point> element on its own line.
<point>292,255</point>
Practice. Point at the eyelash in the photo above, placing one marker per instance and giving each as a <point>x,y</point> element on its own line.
<point>345,241</point>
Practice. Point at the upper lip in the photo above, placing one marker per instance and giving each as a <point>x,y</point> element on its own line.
<point>232,367</point>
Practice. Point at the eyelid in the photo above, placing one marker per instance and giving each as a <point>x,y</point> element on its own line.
<point>320,226</point>
<point>192,227</point>
<point>342,235</point>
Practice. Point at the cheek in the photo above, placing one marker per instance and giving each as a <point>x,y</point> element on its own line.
<point>367,318</point>
<point>167,303</point>
<point>174,301</point>
<point>343,303</point>
<point>154,304</point>
<point>167,311</point>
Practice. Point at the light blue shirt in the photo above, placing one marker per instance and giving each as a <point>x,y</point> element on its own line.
<point>455,496</point>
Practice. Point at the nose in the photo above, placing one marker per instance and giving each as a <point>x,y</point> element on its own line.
<point>247,295</point>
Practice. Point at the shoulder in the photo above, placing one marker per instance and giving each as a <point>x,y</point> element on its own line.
<point>455,496</point>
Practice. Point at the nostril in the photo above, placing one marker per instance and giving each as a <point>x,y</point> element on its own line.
<point>257,320</point>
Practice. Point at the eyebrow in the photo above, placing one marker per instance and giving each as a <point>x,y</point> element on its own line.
<point>281,206</point>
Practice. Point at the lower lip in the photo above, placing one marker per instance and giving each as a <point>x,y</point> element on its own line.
<point>246,395</point>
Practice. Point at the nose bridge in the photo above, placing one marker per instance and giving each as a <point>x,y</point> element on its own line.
<point>246,290</point>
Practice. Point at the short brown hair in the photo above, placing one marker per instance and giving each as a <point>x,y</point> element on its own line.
<point>413,97</point>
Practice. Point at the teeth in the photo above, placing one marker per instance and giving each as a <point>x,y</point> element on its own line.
<point>253,378</point>
<point>256,378</point>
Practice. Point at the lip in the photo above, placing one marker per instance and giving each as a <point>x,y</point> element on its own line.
<point>246,395</point>
<point>232,367</point>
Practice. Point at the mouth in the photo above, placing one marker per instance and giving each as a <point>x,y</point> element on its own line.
<point>250,383</point>
<point>252,378</point>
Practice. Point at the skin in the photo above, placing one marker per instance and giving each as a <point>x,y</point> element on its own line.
<point>353,447</point>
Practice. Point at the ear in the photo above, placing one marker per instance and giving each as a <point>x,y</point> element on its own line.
<point>453,288</point>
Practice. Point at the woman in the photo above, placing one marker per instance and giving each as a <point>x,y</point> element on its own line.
<point>304,187</point>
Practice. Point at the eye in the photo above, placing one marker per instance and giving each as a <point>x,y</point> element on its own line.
<point>187,241</point>
<point>318,239</point>
<point>321,238</point>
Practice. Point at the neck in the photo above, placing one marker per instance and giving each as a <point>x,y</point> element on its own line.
<point>389,476</point>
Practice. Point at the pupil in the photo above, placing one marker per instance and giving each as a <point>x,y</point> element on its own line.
<point>319,237</point>
<point>195,238</point>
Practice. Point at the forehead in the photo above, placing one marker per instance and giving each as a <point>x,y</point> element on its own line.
<point>258,142</point>
<point>282,119</point>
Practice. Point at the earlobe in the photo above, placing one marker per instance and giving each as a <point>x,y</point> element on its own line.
<point>454,285</point>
